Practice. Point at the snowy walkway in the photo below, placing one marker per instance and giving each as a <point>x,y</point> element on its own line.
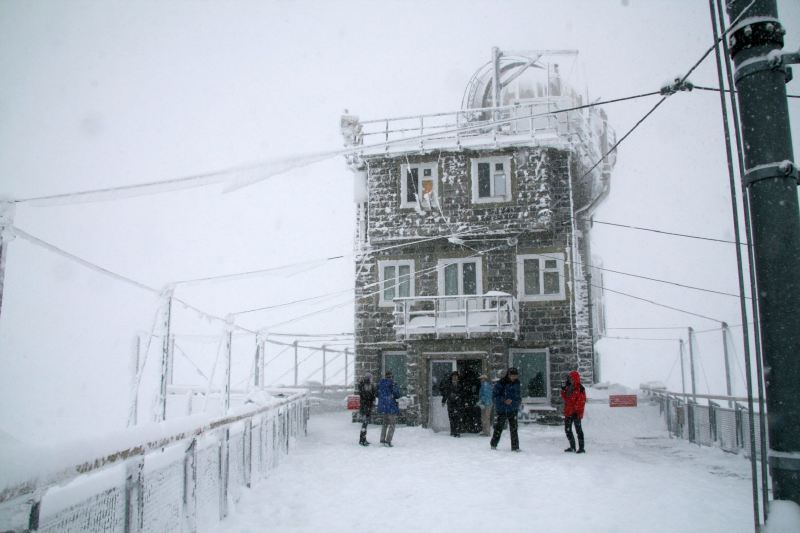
<point>633,479</point>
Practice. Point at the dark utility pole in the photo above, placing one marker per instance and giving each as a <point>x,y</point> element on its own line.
<point>770,180</point>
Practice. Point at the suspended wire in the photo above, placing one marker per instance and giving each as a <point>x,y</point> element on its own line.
<point>349,289</point>
<point>246,274</point>
<point>373,293</point>
<point>658,280</point>
<point>678,309</point>
<point>663,232</point>
<point>280,165</point>
<point>189,359</point>
<point>750,256</point>
<point>651,328</point>
<point>717,89</point>
<point>670,339</point>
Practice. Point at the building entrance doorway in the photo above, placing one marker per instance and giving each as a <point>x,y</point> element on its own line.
<point>469,371</point>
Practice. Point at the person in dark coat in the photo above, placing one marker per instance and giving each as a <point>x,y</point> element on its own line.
<point>574,396</point>
<point>388,393</point>
<point>507,399</point>
<point>366,393</point>
<point>452,395</point>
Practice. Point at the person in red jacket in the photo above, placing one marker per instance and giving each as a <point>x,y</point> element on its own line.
<point>574,396</point>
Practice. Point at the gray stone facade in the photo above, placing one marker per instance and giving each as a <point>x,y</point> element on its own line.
<point>546,193</point>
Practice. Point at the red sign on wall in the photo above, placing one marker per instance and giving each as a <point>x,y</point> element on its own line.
<point>622,400</point>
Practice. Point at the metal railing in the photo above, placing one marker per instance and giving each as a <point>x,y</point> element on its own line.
<point>532,117</point>
<point>180,481</point>
<point>713,425</point>
<point>455,315</point>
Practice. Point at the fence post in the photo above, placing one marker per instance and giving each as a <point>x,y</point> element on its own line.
<point>324,366</point>
<point>134,492</point>
<point>346,363</point>
<point>690,420</point>
<point>33,516</point>
<point>190,487</point>
<point>228,362</point>
<point>165,356</point>
<point>295,362</point>
<point>683,372</point>
<point>7,209</point>
<point>224,469</point>
<point>133,412</point>
<point>247,446</point>
<point>691,365</point>
<point>712,419</point>
<point>727,363</point>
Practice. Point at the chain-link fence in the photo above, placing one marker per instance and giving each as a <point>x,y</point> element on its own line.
<point>183,483</point>
<point>708,425</point>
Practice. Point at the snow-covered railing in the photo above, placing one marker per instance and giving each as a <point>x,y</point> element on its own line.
<point>467,316</point>
<point>708,425</point>
<point>547,120</point>
<point>179,475</point>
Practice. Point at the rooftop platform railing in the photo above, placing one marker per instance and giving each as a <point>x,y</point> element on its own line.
<point>538,120</point>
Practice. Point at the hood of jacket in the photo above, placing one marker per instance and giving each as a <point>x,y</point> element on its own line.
<point>575,378</point>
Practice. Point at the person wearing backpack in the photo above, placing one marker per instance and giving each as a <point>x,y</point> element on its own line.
<point>388,393</point>
<point>574,396</point>
<point>366,393</point>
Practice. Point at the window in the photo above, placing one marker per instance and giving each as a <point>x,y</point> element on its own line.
<point>460,277</point>
<point>419,185</point>
<point>534,373</point>
<point>396,363</point>
<point>491,179</point>
<point>396,280</point>
<point>540,277</point>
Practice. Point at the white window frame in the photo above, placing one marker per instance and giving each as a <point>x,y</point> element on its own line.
<point>395,263</point>
<point>506,160</point>
<point>442,263</point>
<point>560,264</point>
<point>517,351</point>
<point>404,168</point>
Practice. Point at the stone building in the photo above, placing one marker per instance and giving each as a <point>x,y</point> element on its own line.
<point>472,238</point>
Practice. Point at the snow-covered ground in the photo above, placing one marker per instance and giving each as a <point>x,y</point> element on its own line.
<point>634,478</point>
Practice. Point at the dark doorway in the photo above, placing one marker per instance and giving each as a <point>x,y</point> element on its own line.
<point>469,371</point>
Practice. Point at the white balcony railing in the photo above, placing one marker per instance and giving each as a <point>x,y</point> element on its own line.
<point>475,315</point>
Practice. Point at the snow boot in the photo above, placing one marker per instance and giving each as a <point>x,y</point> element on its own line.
<point>364,443</point>
<point>581,451</point>
<point>570,449</point>
<point>388,444</point>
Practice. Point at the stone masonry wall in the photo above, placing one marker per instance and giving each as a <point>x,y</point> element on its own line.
<point>539,216</point>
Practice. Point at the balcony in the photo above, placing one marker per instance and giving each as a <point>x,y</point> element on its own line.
<point>491,314</point>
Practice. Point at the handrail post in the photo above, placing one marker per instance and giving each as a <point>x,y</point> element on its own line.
<point>466,316</point>
<point>436,317</point>
<point>295,363</point>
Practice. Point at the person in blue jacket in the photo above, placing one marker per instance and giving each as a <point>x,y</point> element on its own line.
<point>507,399</point>
<point>388,393</point>
<point>485,401</point>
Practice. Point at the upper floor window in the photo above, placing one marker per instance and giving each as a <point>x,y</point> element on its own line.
<point>459,277</point>
<point>491,179</point>
<point>396,280</point>
<point>540,277</point>
<point>419,185</point>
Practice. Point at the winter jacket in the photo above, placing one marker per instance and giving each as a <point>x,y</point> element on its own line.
<point>505,389</point>
<point>367,393</point>
<point>452,395</point>
<point>485,395</point>
<point>388,393</point>
<point>574,395</point>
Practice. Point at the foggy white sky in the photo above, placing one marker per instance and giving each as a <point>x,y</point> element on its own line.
<point>96,94</point>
